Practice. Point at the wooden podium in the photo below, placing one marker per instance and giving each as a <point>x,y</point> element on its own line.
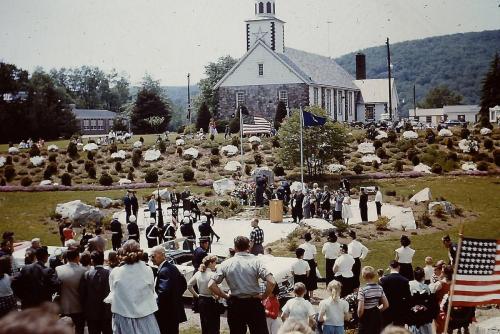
<point>276,211</point>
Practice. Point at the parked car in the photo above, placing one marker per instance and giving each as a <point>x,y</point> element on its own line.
<point>454,122</point>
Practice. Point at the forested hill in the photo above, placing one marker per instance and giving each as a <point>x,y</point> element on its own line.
<point>458,61</point>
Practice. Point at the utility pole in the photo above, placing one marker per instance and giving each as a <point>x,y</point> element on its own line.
<point>189,101</point>
<point>389,70</point>
<point>414,101</point>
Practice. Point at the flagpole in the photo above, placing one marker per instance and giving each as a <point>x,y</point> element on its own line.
<point>241,136</point>
<point>454,278</point>
<point>301,148</point>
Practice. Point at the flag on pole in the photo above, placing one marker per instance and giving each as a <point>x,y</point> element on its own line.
<point>313,120</point>
<point>255,125</point>
<point>477,281</point>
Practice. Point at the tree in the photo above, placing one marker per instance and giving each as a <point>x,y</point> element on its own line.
<point>321,144</point>
<point>441,96</point>
<point>281,113</point>
<point>490,93</point>
<point>214,72</point>
<point>203,118</point>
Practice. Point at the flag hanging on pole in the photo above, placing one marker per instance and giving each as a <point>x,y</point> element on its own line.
<point>477,281</point>
<point>313,120</point>
<point>255,125</point>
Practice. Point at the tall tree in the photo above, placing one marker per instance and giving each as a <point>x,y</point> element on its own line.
<point>490,93</point>
<point>203,118</point>
<point>441,96</point>
<point>281,113</point>
<point>214,72</point>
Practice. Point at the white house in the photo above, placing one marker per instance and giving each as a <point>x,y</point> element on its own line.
<point>495,114</point>
<point>463,113</point>
<point>270,72</point>
<point>432,116</point>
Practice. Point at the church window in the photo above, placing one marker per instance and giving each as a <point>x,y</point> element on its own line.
<point>329,102</point>
<point>335,104</point>
<point>269,8</point>
<point>261,7</point>
<point>346,102</point>
<point>283,96</point>
<point>323,92</point>
<point>350,103</point>
<point>261,70</point>
<point>315,96</point>
<point>340,102</point>
<point>240,99</point>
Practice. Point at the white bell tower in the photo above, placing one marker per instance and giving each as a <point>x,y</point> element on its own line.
<point>266,27</point>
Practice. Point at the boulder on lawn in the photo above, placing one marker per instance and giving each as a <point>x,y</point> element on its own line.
<point>366,148</point>
<point>164,194</point>
<point>468,145</point>
<point>485,131</point>
<point>229,150</point>
<point>180,142</point>
<point>447,207</point>
<point>37,161</point>
<point>469,165</point>
<point>422,168</point>
<point>254,140</point>
<point>370,158</point>
<point>403,220</point>
<point>13,150</point>
<point>223,186</point>
<point>103,202</point>
<point>137,144</point>
<point>410,135</point>
<point>263,171</point>
<point>90,147</point>
<point>152,155</point>
<point>124,181</point>
<point>423,195</point>
<point>46,182</point>
<point>445,133</point>
<point>79,213</point>
<point>381,135</point>
<point>232,166</point>
<point>120,155</point>
<point>336,168</point>
<point>191,153</point>
<point>205,183</point>
<point>2,161</point>
<point>53,148</point>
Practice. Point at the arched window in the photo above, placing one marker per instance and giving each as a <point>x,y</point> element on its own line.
<point>261,7</point>
<point>269,8</point>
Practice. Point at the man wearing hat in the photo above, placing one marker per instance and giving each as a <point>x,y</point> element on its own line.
<point>169,232</point>
<point>116,232</point>
<point>200,252</point>
<point>187,231</point>
<point>133,229</point>
<point>152,233</point>
<point>206,230</point>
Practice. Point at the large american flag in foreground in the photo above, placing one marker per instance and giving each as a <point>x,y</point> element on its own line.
<point>478,275</point>
<point>255,125</point>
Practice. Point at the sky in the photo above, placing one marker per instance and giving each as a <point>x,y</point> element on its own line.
<point>170,38</point>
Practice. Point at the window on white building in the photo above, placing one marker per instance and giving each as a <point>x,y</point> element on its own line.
<point>428,119</point>
<point>329,102</point>
<point>86,124</point>
<point>261,70</point>
<point>100,124</point>
<point>93,124</point>
<point>340,102</point>
<point>461,118</point>
<point>369,112</point>
<point>110,123</point>
<point>346,102</point>
<point>350,103</point>
<point>335,103</point>
<point>315,96</point>
<point>283,96</point>
<point>240,99</point>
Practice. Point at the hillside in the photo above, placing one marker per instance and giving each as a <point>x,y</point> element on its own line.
<point>458,61</point>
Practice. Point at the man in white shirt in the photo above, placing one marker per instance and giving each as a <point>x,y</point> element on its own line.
<point>298,308</point>
<point>378,201</point>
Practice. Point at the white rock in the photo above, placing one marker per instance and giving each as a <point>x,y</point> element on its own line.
<point>91,147</point>
<point>296,185</point>
<point>370,158</point>
<point>164,194</point>
<point>404,220</point>
<point>119,155</point>
<point>229,150</point>
<point>485,131</point>
<point>423,195</point>
<point>223,186</point>
<point>180,142</point>
<point>336,168</point>
<point>263,171</point>
<point>465,145</point>
<point>13,150</point>
<point>152,155</point>
<point>381,135</point>
<point>53,148</point>
<point>410,135</point>
<point>37,161</point>
<point>79,212</point>
<point>46,183</point>
<point>318,223</point>
<point>103,202</point>
<point>422,168</point>
<point>191,152</point>
<point>2,161</point>
<point>254,140</point>
<point>366,148</point>
<point>447,207</point>
<point>445,133</point>
<point>124,181</point>
<point>137,144</point>
<point>232,166</point>
<point>469,165</point>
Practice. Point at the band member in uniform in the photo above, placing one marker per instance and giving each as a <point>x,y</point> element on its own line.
<point>116,232</point>
<point>152,233</point>
<point>133,229</point>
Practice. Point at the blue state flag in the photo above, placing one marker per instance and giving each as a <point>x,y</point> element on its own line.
<point>313,120</point>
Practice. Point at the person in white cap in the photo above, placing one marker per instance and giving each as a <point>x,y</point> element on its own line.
<point>133,229</point>
<point>116,232</point>
<point>187,231</point>
<point>152,233</point>
<point>35,244</point>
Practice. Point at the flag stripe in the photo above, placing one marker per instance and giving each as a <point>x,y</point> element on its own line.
<point>476,298</point>
<point>476,293</point>
<point>476,283</point>
<point>483,287</point>
<point>472,303</point>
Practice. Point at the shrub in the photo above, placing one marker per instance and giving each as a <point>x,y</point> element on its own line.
<point>375,164</point>
<point>377,144</point>
<point>275,142</point>
<point>358,169</point>
<point>214,161</point>
<point>390,192</point>
<point>464,133</point>
<point>382,224</point>
<point>53,157</point>
<point>80,161</point>
<point>50,170</point>
<point>248,169</point>
<point>488,144</point>
<point>398,166</point>
<point>9,172</point>
<point>179,151</point>
<point>130,175</point>
<point>459,211</point>
<point>214,151</point>
<point>66,180</point>
<point>193,163</point>
<point>392,136</point>
<point>496,157</point>
<point>90,155</point>
<point>113,148</point>
<point>341,227</point>
<point>411,153</point>
<point>279,170</point>
<point>258,159</point>
<point>235,141</point>
<point>105,180</point>
<point>188,174</point>
<point>88,164</point>
<point>436,168</point>
<point>255,147</point>
<point>136,160</point>
<point>482,166</point>
<point>425,220</point>
<point>381,153</point>
<point>415,160</point>
<point>162,147</point>
<point>371,133</point>
<point>449,143</point>
<point>8,160</point>
<point>26,181</point>
<point>439,211</point>
<point>92,172</point>
<point>34,151</point>
<point>3,183</point>
<point>452,156</point>
<point>151,176</point>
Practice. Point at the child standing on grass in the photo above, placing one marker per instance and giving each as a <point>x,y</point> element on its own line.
<point>272,308</point>
<point>333,310</point>
<point>428,270</point>
<point>300,268</point>
<point>371,302</point>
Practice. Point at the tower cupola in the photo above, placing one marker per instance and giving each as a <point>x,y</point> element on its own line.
<point>265,7</point>
<point>266,27</point>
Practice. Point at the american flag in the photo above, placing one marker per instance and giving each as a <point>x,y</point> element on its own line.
<point>255,125</point>
<point>478,275</point>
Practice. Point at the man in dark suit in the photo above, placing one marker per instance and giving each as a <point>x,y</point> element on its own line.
<point>97,243</point>
<point>94,287</point>
<point>170,285</point>
<point>36,283</point>
<point>117,233</point>
<point>397,290</point>
<point>200,252</point>
<point>134,203</point>
<point>128,206</point>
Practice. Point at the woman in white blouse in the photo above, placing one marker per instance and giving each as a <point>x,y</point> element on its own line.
<point>404,255</point>
<point>132,298</point>
<point>346,208</point>
<point>331,251</point>
<point>343,271</point>
<point>309,257</point>
<point>359,252</point>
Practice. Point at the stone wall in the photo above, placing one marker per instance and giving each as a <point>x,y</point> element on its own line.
<point>261,100</point>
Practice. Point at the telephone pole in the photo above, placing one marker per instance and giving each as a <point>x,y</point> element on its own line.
<point>389,70</point>
<point>189,101</point>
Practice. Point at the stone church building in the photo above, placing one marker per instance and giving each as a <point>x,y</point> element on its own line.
<point>270,72</point>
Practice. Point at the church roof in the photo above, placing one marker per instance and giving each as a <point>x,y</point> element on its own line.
<point>93,114</point>
<point>318,69</point>
<point>375,90</point>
